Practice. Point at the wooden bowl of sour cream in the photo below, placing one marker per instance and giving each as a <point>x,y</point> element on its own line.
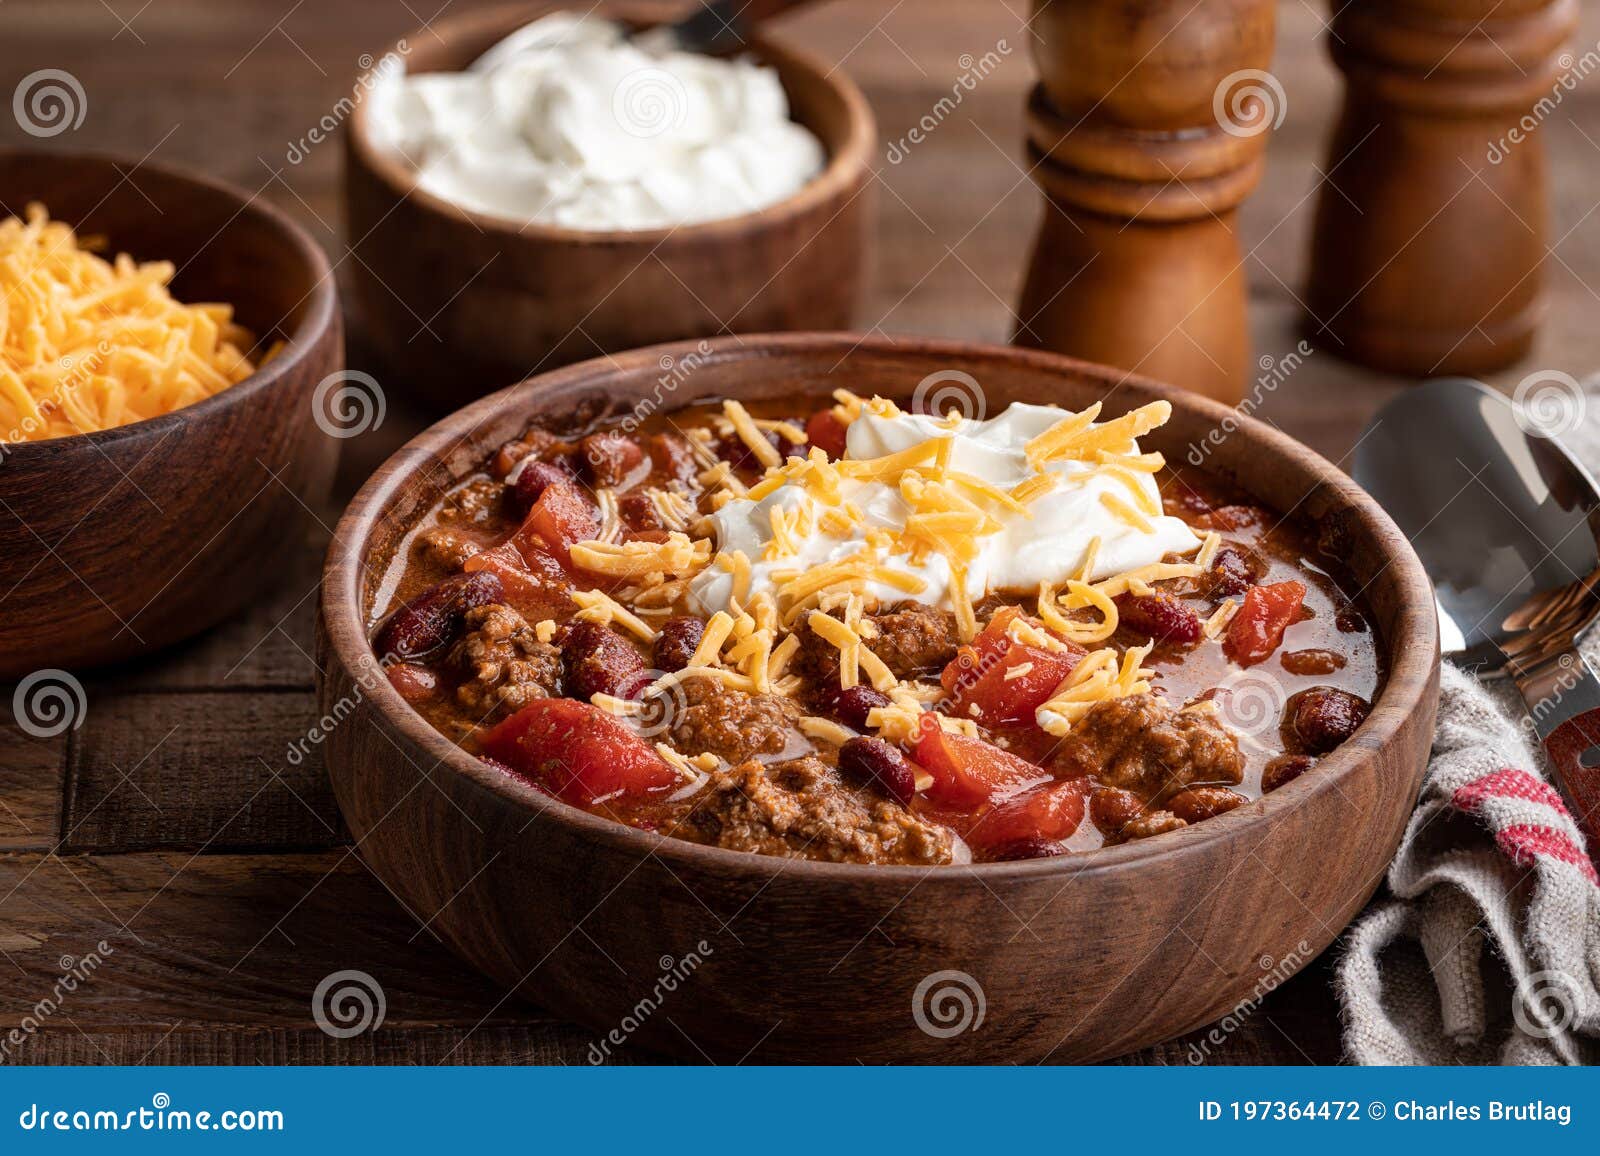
<point>1071,959</point>
<point>456,302</point>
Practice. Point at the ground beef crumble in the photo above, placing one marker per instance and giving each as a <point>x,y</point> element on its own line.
<point>730,723</point>
<point>802,809</point>
<point>914,641</point>
<point>504,664</point>
<point>1141,744</point>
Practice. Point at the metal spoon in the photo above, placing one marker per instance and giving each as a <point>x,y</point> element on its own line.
<point>1505,522</point>
<point>716,26</point>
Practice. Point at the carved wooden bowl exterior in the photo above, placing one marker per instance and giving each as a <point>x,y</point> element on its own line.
<point>120,542</point>
<point>1077,959</point>
<point>457,302</point>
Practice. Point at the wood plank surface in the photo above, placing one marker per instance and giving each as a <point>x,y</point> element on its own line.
<point>130,829</point>
<point>213,944</point>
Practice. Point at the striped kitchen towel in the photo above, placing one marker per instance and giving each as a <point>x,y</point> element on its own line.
<point>1487,948</point>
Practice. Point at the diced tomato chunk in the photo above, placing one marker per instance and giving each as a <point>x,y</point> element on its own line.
<point>535,584</point>
<point>985,674</point>
<point>826,431</point>
<point>579,752</point>
<point>1050,811</point>
<point>561,517</point>
<point>1257,629</point>
<point>969,773</point>
<point>1010,689</point>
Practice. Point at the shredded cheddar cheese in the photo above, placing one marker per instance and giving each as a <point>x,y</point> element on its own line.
<point>88,344</point>
<point>600,608</point>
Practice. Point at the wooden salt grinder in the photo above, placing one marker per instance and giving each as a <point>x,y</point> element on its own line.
<point>1146,133</point>
<point>1430,229</point>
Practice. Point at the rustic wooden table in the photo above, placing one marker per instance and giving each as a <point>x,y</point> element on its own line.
<point>171,840</point>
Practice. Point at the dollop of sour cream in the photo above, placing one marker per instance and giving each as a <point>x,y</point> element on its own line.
<point>566,123</point>
<point>1049,546</point>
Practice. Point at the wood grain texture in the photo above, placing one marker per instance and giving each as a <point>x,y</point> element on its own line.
<point>31,774</point>
<point>813,961</point>
<point>121,542</point>
<point>1137,262</point>
<point>1442,182</point>
<point>459,303</point>
<point>213,771</point>
<point>215,959</point>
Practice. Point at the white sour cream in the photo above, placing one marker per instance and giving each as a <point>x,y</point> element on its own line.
<point>1048,547</point>
<point>566,123</point>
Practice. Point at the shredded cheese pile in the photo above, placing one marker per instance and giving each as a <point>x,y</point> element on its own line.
<point>88,344</point>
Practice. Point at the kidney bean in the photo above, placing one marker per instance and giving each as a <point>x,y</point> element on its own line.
<point>533,480</point>
<point>597,660</point>
<point>674,456</point>
<point>610,458</point>
<point>1311,662</point>
<point>1317,720</point>
<point>415,683</point>
<point>1112,808</point>
<point>639,513</point>
<point>432,618</point>
<point>1018,849</point>
<point>677,642</point>
<point>732,450</point>
<point>1350,620</point>
<point>1198,803</point>
<point>1233,571</point>
<point>853,705</point>
<point>1160,617</point>
<point>876,761</point>
<point>1285,768</point>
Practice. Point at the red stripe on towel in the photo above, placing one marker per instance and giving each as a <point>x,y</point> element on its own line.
<point>1521,842</point>
<point>1508,784</point>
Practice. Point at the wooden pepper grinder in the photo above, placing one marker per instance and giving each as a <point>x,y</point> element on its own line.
<point>1147,132</point>
<point>1430,229</point>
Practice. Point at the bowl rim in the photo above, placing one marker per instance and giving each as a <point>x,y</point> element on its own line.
<point>299,343</point>
<point>844,169</point>
<point>1412,654</point>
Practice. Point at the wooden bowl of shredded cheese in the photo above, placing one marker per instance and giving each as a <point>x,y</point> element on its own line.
<point>161,337</point>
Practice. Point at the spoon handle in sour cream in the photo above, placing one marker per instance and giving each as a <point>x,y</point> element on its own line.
<point>720,26</point>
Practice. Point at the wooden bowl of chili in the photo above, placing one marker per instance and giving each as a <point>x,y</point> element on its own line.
<point>1070,958</point>
<point>125,540</point>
